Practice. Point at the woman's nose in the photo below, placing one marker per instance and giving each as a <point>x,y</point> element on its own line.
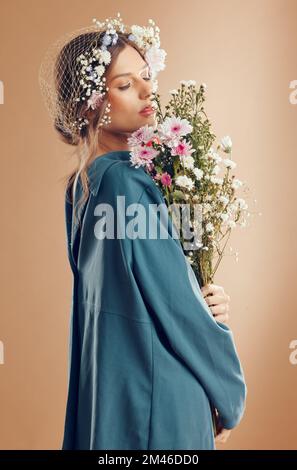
<point>146,91</point>
<point>147,95</point>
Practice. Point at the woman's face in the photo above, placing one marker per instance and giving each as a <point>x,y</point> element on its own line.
<point>130,93</point>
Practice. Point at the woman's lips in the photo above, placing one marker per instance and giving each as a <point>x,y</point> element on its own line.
<point>147,111</point>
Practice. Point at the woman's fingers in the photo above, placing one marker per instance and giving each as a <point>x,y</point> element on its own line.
<point>221,318</point>
<point>211,289</point>
<point>223,435</point>
<point>220,313</point>
<point>220,309</point>
<point>215,299</point>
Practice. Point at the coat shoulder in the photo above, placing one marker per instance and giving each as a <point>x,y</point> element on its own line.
<point>122,178</point>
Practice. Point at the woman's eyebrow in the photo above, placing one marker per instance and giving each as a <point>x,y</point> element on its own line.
<point>127,74</point>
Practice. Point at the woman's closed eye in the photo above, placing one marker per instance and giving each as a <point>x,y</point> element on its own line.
<point>125,87</point>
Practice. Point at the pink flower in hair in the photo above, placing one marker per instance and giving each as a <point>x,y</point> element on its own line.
<point>95,100</point>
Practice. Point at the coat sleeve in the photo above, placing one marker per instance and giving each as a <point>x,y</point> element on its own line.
<point>176,305</point>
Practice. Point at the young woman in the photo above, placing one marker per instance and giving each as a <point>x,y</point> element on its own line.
<point>150,351</point>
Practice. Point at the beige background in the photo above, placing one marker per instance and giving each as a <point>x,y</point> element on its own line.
<point>246,54</point>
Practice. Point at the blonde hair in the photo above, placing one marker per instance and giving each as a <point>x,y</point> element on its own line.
<point>86,141</point>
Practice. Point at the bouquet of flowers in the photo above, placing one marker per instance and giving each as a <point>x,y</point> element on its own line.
<point>195,180</point>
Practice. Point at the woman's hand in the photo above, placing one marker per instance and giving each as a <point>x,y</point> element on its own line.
<point>223,435</point>
<point>217,300</point>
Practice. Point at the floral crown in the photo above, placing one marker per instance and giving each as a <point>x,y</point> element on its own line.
<point>89,67</point>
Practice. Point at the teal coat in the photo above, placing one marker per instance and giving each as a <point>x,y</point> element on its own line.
<point>146,356</point>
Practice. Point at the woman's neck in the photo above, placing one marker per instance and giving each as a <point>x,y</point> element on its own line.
<point>110,142</point>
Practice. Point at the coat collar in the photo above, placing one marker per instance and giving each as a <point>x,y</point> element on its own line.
<point>100,164</point>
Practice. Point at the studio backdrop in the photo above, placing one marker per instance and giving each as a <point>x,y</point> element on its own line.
<point>243,54</point>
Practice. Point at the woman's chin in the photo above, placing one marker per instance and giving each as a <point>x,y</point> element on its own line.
<point>150,120</point>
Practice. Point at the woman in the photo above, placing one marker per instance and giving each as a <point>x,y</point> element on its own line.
<point>149,351</point>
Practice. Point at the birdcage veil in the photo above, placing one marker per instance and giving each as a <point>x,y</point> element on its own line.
<point>71,74</point>
<point>58,79</point>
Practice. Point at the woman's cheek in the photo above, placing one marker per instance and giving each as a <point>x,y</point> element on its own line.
<point>121,100</point>
<point>126,102</point>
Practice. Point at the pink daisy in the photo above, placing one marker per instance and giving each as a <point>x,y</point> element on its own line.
<point>166,179</point>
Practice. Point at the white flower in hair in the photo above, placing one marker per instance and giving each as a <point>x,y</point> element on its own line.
<point>100,70</point>
<point>156,59</point>
<point>105,57</point>
<point>137,30</point>
<point>95,100</point>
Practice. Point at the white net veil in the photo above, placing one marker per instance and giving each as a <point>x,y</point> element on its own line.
<point>63,91</point>
<point>59,82</point>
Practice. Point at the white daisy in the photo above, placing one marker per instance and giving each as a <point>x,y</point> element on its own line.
<point>184,182</point>
<point>229,163</point>
<point>198,173</point>
<point>226,143</point>
<point>236,183</point>
<point>187,161</point>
